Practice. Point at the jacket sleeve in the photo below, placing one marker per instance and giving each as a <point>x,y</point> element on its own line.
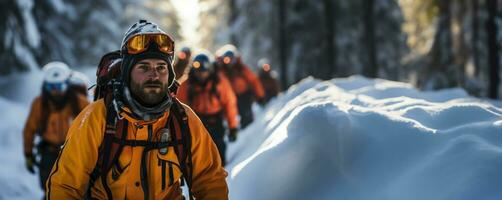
<point>71,173</point>
<point>31,126</point>
<point>229,102</point>
<point>255,82</point>
<point>208,179</point>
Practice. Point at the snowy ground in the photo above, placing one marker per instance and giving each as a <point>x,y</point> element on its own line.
<point>357,138</point>
<point>352,138</point>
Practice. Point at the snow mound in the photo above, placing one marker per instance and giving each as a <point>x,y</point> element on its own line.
<point>358,138</point>
<point>16,182</point>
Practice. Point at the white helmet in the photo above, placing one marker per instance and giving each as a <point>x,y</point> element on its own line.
<point>228,50</point>
<point>78,78</point>
<point>56,73</point>
<point>262,62</point>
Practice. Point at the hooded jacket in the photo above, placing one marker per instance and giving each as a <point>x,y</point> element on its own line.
<point>70,175</point>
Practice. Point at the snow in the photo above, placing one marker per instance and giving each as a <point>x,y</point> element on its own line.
<point>358,138</point>
<point>348,138</point>
<point>16,182</point>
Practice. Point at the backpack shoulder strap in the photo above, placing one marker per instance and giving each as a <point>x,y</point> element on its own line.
<point>179,123</point>
<point>109,151</point>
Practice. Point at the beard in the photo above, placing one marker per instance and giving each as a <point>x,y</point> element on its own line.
<point>147,96</point>
<point>59,100</point>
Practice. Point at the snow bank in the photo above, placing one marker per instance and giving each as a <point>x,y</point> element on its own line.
<point>358,138</point>
<point>15,180</point>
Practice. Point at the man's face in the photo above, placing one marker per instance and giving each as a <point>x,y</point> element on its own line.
<point>149,81</point>
<point>57,94</point>
<point>202,75</point>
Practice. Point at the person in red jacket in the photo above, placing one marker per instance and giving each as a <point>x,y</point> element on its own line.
<point>245,83</point>
<point>268,79</point>
<point>210,95</point>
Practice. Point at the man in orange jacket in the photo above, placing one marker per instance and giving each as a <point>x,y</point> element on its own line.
<point>245,83</point>
<point>142,167</point>
<point>50,117</point>
<point>210,95</point>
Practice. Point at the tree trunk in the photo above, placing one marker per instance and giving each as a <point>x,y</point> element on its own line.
<point>493,49</point>
<point>371,70</point>
<point>282,44</point>
<point>460,47</point>
<point>233,17</point>
<point>475,37</point>
<point>330,39</point>
<point>439,71</point>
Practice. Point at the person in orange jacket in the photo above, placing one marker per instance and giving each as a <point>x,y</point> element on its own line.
<point>143,166</point>
<point>50,117</point>
<point>245,83</point>
<point>268,79</point>
<point>181,64</point>
<point>210,95</point>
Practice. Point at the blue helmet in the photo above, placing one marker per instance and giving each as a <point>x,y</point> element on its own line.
<point>203,61</point>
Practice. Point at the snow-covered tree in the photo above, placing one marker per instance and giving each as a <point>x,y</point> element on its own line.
<point>161,12</point>
<point>76,32</point>
<point>449,43</point>
<point>213,27</point>
<point>19,36</point>
<point>325,38</point>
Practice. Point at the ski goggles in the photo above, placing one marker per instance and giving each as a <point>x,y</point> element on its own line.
<point>61,87</point>
<point>201,66</point>
<point>229,58</point>
<point>140,43</point>
<point>182,55</point>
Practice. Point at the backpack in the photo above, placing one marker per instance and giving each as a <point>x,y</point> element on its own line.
<point>107,88</point>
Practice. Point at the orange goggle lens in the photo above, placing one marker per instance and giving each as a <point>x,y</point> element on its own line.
<point>139,43</point>
<point>182,55</point>
<point>227,60</point>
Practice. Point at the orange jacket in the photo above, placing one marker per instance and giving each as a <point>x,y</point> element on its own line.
<point>70,175</point>
<point>207,103</point>
<point>243,80</point>
<point>58,122</point>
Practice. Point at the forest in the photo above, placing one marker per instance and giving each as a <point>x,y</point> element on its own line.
<point>433,44</point>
